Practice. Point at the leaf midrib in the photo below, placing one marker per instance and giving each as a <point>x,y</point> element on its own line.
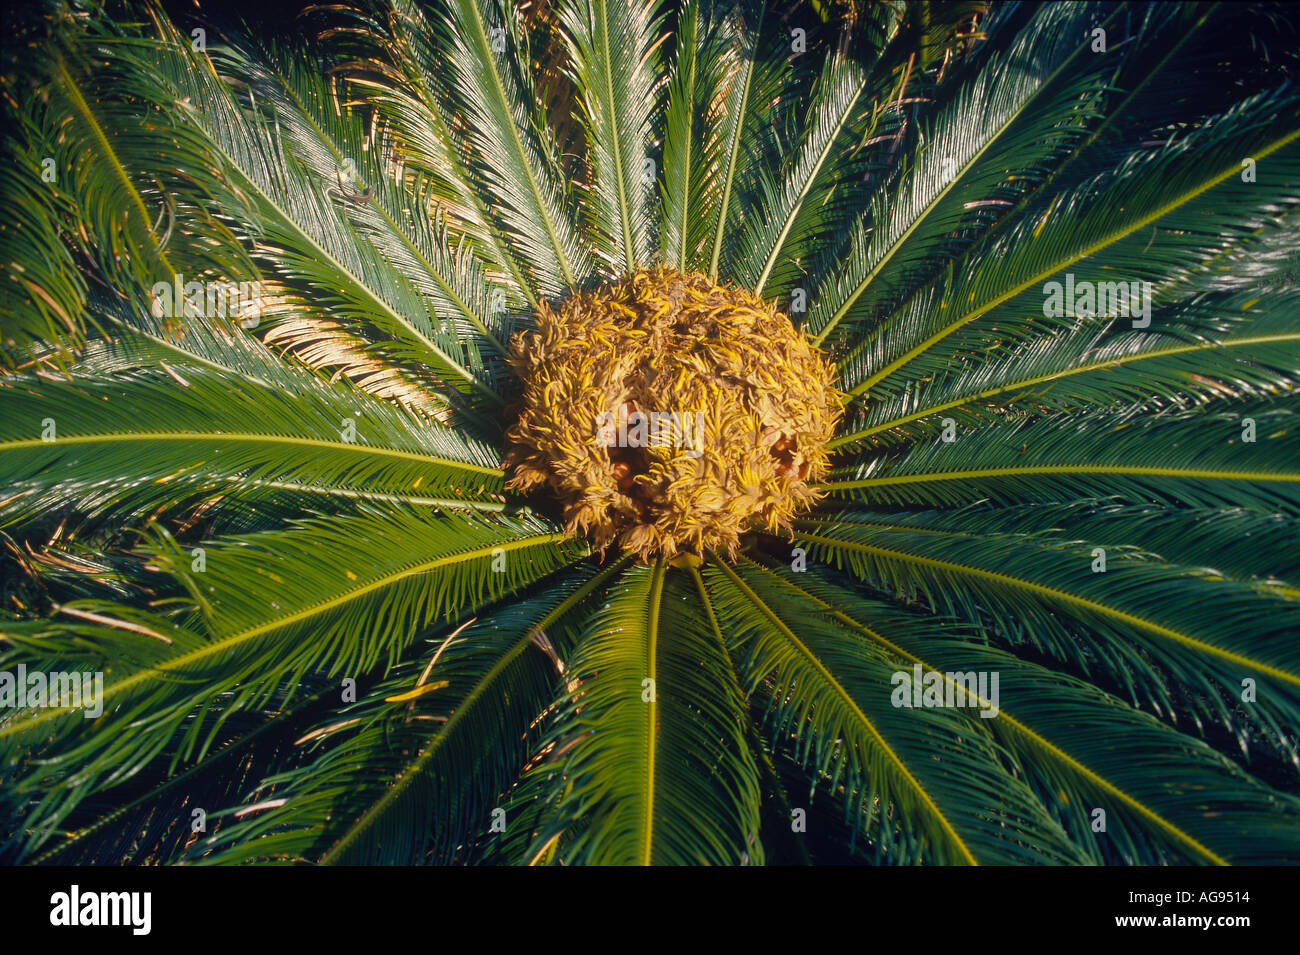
<point>1063,596</point>
<point>249,438</point>
<point>1064,373</point>
<point>862,718</point>
<point>1014,471</point>
<point>1005,715</point>
<point>471,698</point>
<point>684,172</point>
<point>224,644</point>
<point>645,856</point>
<point>1066,262</point>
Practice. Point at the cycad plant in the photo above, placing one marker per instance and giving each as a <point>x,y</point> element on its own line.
<point>965,532</point>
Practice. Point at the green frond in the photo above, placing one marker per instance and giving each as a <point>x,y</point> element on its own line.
<point>395,74</point>
<point>44,296</point>
<point>1177,455</point>
<point>614,57</point>
<point>1053,723</point>
<point>1191,193</point>
<point>448,705</point>
<point>761,74</point>
<point>702,62</point>
<point>1213,348</point>
<point>658,771</point>
<point>156,435</point>
<point>271,613</point>
<point>503,138</point>
<point>763,243</point>
<point>832,698</point>
<point>1139,615</point>
<point>984,148</point>
<point>397,218</point>
<point>296,215</point>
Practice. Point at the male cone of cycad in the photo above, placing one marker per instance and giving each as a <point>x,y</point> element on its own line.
<point>759,398</point>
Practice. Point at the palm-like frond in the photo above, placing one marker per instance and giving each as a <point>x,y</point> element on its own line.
<point>44,299</point>
<point>321,438</point>
<point>483,675</point>
<point>252,642</point>
<point>657,768</point>
<point>747,108</point>
<point>1074,767</point>
<point>615,64</point>
<point>1191,191</point>
<point>1124,635</point>
<point>833,697</point>
<point>703,60</point>
<point>504,142</point>
<point>987,146</point>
